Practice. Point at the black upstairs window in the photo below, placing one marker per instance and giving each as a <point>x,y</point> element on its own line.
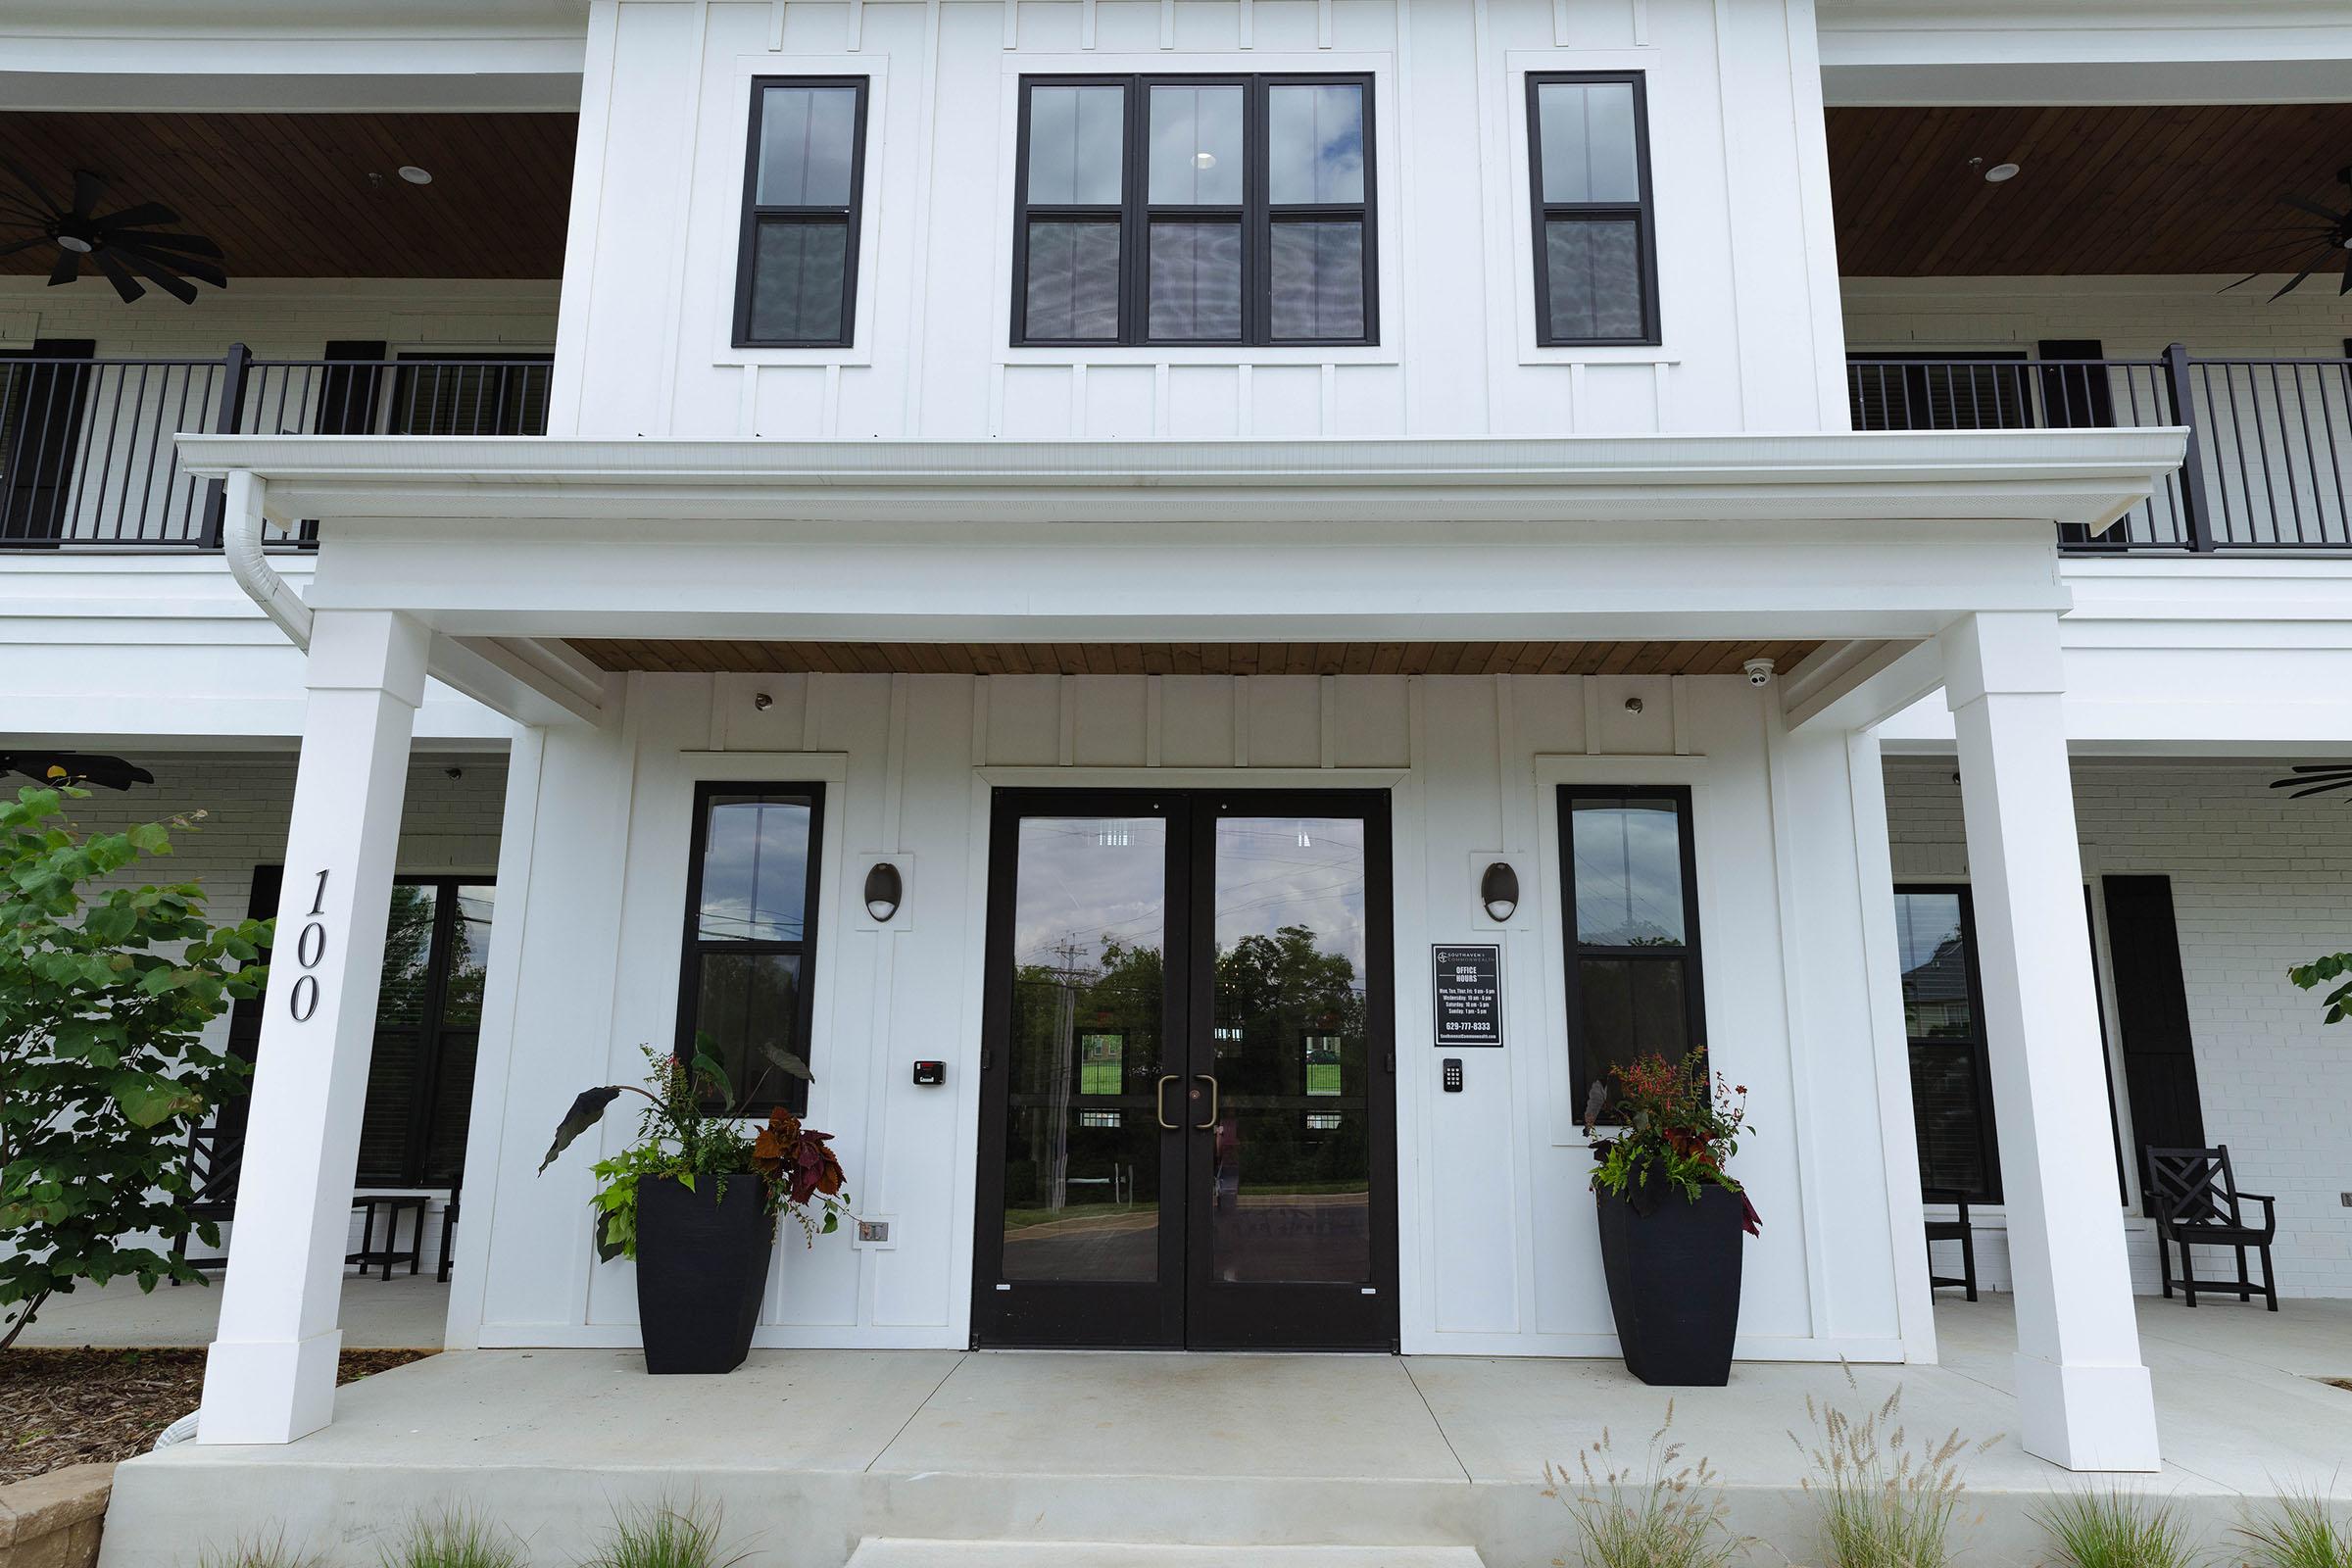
<point>1194,210</point>
<point>1596,253</point>
<point>795,274</point>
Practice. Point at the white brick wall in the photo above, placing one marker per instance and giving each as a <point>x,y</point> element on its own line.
<point>2132,318</point>
<point>2259,882</point>
<point>285,318</point>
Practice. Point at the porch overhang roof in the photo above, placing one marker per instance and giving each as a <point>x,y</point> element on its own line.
<point>509,548</point>
<point>2081,477</point>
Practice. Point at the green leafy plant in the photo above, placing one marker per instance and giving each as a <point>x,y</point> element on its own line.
<point>2301,1530</point>
<point>2332,966</point>
<point>692,1128</point>
<point>2116,1529</point>
<point>1681,1127</point>
<point>105,991</point>
<point>454,1538</point>
<point>1667,1513</point>
<point>665,1536</point>
<point>1884,1503</point>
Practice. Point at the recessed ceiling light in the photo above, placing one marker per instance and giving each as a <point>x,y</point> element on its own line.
<point>1999,174</point>
<point>421,176</point>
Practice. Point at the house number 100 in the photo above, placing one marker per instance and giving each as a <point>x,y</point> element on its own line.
<point>309,948</point>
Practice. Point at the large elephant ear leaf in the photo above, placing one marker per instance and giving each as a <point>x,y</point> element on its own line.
<point>785,1062</point>
<point>584,1114</point>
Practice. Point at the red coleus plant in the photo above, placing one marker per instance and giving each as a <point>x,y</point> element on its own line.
<point>795,1159</point>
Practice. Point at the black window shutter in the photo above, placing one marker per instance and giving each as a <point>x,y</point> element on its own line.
<point>347,397</point>
<point>2151,1004</point>
<point>245,1015</point>
<point>2075,397</point>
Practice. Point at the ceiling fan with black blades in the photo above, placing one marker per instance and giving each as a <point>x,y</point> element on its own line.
<point>2320,243</point>
<point>2317,778</point>
<point>118,244</point>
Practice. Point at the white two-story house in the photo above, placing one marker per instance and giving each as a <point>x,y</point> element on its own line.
<point>907,529</point>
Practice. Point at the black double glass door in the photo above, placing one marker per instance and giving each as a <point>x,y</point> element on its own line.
<point>1187,1125</point>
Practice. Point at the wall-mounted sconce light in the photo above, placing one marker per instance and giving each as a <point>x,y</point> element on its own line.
<point>1499,891</point>
<point>883,890</point>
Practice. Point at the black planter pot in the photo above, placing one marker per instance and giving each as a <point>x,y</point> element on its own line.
<point>702,1266</point>
<point>1673,1269</point>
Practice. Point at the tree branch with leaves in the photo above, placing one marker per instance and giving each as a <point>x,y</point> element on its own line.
<point>2311,976</point>
<point>106,990</point>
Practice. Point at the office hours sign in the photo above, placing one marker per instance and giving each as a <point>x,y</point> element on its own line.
<point>1466,991</point>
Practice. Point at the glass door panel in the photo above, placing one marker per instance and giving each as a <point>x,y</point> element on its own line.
<point>1292,1220</point>
<point>1289,1038</point>
<point>1075,1245</point>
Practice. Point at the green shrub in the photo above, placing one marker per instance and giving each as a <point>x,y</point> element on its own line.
<point>664,1536</point>
<point>1665,1514</point>
<point>1883,1505</point>
<point>454,1538</point>
<point>2117,1529</point>
<point>104,992</point>
<point>263,1551</point>
<point>2301,1530</point>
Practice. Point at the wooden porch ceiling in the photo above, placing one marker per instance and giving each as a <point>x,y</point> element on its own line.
<point>290,195</point>
<point>1188,659</point>
<point>2102,190</point>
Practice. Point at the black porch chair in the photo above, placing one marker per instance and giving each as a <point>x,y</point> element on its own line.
<point>213,1181</point>
<point>2194,1198</point>
<point>1957,1229</point>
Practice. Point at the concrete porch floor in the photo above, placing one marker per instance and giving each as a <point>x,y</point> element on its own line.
<point>810,1451</point>
<point>405,1312</point>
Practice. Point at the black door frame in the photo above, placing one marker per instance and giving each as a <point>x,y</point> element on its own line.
<point>1121,1315</point>
<point>1183,1308</point>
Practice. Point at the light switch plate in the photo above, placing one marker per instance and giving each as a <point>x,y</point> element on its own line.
<point>873,1235</point>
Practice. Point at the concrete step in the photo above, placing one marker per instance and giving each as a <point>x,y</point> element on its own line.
<point>886,1551</point>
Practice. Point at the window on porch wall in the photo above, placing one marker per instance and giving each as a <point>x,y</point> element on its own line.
<point>1632,921</point>
<point>1943,1024</point>
<point>428,1022</point>
<point>751,935</point>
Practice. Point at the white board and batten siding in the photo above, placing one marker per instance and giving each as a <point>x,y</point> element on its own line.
<point>1498,1244</point>
<point>1747,268</point>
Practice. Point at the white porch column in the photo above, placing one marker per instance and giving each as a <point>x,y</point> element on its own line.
<point>2083,1398</point>
<point>270,1376</point>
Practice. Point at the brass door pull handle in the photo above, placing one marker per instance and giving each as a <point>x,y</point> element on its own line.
<point>1209,1079</point>
<point>1159,1103</point>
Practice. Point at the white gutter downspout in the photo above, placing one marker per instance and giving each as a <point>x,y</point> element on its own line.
<point>241,543</point>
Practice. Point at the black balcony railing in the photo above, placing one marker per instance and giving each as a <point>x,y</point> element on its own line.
<point>2269,451</point>
<point>88,458</point>
<point>86,454</point>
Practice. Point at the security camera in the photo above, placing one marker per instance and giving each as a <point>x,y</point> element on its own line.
<point>1758,672</point>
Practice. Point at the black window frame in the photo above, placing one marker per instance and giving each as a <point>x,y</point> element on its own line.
<point>694,946</point>
<point>1987,1124</point>
<point>1689,954</point>
<point>422,1126</point>
<point>1135,212</point>
<point>754,214</point>
<point>1644,211</point>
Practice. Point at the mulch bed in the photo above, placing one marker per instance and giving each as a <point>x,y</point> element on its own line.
<point>60,1408</point>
